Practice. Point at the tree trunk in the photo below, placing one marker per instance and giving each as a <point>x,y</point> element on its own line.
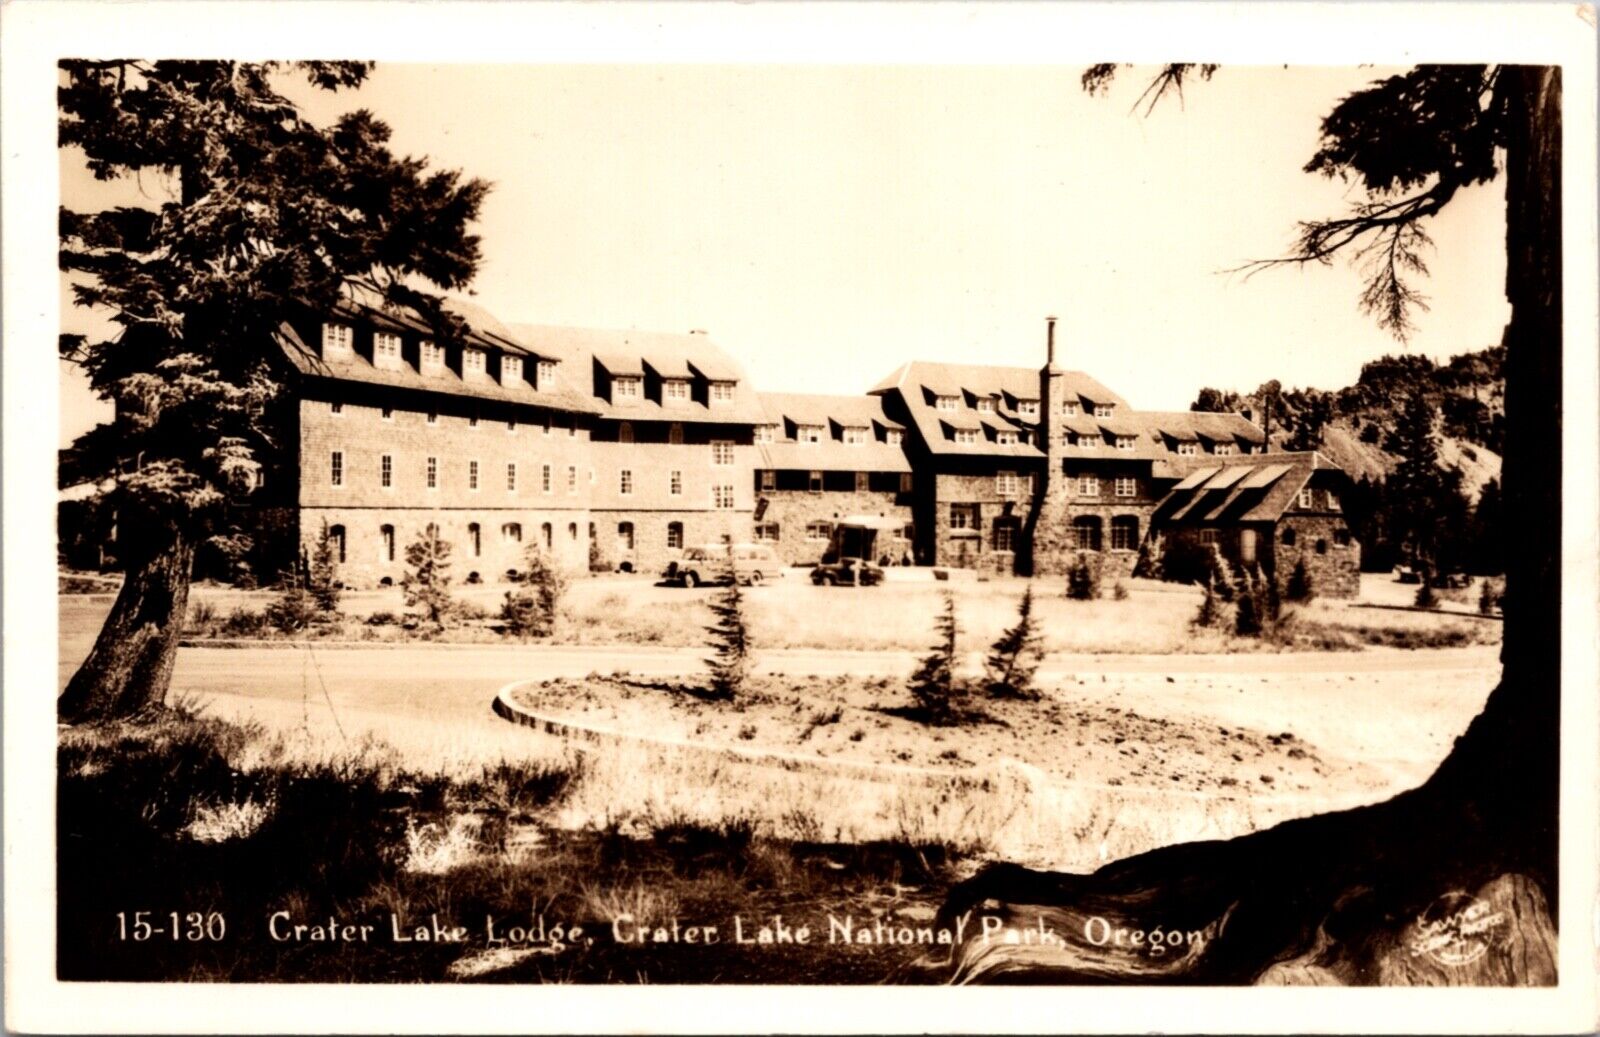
<point>1451,883</point>
<point>128,670</point>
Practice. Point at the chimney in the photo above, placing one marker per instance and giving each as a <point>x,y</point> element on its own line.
<point>1050,341</point>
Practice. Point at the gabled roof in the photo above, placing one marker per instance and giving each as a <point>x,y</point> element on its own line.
<point>628,352</point>
<point>831,413</point>
<point>817,409</point>
<point>1195,425</point>
<point>1244,488</point>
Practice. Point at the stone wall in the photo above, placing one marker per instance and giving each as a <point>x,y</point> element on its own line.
<point>975,548</point>
<point>650,553</point>
<point>1334,568</point>
<point>793,510</point>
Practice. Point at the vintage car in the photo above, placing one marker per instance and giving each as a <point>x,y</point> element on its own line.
<point>851,572</point>
<point>711,563</point>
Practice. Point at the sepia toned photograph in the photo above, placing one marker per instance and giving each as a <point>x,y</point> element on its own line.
<point>724,523</point>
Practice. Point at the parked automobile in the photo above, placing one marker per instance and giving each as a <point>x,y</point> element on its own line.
<point>852,572</point>
<point>752,564</point>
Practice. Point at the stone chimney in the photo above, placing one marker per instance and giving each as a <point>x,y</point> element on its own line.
<point>1051,393</point>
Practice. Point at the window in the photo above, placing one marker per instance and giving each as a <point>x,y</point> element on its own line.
<point>814,482</point>
<point>385,349</point>
<point>1005,535</point>
<point>625,388</point>
<point>1126,442</point>
<point>1103,410</point>
<point>433,473</point>
<point>545,478</point>
<point>808,433</point>
<point>863,482</point>
<point>675,536</point>
<point>1208,537</point>
<point>546,373</point>
<point>1125,533</point>
<point>474,361</point>
<point>675,483</point>
<point>572,478</point>
<point>1341,537</point>
<point>386,542</point>
<point>1005,437</point>
<point>511,532</point>
<point>905,482</point>
<point>1127,486</point>
<point>964,516</point>
<point>572,531</point>
<point>472,475</point>
<point>511,477</point>
<point>336,538</point>
<point>1028,409</point>
<point>908,533</point>
<point>985,405</point>
<point>966,435</point>
<point>337,338</point>
<point>819,530</point>
<point>721,392</point>
<point>475,538</point>
<point>624,536</point>
<point>722,497</point>
<point>1322,547</point>
<point>1307,499</point>
<point>855,436</point>
<point>948,404</point>
<point>766,433</point>
<point>336,407</point>
<point>1332,499</point>
<point>1027,484</point>
<point>766,533</point>
<point>722,451</point>
<point>1088,486</point>
<point>547,533</point>
<point>1222,449</point>
<point>625,482</point>
<point>511,369</point>
<point>894,437</point>
<point>675,434</point>
<point>769,479</point>
<point>1005,484</point>
<point>675,390</point>
<point>625,432</point>
<point>1188,448</point>
<point>432,355</point>
<point>336,467</point>
<point>1070,408</point>
<point>388,414</point>
<point>433,417</point>
<point>1086,532</point>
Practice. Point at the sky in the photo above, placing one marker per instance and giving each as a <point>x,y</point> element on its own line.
<point>827,223</point>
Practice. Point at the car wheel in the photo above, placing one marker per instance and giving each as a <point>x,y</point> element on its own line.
<point>691,580</point>
<point>755,578</point>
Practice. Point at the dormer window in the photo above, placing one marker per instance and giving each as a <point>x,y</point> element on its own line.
<point>893,436</point>
<point>675,390</point>
<point>1028,409</point>
<point>1005,437</point>
<point>432,356</point>
<point>1125,442</point>
<point>474,363</point>
<point>721,392</point>
<point>338,339</point>
<point>1102,410</point>
<point>1223,449</point>
<point>855,436</point>
<point>1070,408</point>
<point>1308,499</point>
<point>985,405</point>
<point>546,373</point>
<point>766,433</point>
<point>510,370</point>
<point>626,388</point>
<point>966,435</point>
<point>386,350</point>
<point>1188,448</point>
<point>808,433</point>
<point>948,404</point>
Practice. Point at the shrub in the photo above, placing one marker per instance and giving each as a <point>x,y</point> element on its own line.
<point>380,619</point>
<point>531,609</point>
<point>293,610</point>
<point>1119,590</point>
<point>1083,577</point>
<point>1426,598</point>
<point>1222,574</point>
<point>1299,588</point>
<point>933,685</point>
<point>1491,596</point>
<point>202,617</point>
<point>1246,617</point>
<point>730,640</point>
<point>243,622</point>
<point>1210,614</point>
<point>426,583</point>
<point>1015,657</point>
<point>597,563</point>
<point>1184,560</point>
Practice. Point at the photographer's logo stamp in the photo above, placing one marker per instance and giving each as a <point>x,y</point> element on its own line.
<point>1456,929</point>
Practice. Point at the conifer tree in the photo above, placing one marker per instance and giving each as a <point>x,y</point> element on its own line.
<point>1299,588</point>
<point>426,583</point>
<point>1014,658</point>
<point>1210,613</point>
<point>933,685</point>
<point>322,574</point>
<point>730,640</point>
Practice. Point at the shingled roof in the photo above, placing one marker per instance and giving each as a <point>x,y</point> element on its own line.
<point>1183,425</point>
<point>629,352</point>
<point>1248,488</point>
<point>788,411</point>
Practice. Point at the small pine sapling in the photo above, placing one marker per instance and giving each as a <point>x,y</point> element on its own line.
<point>1299,588</point>
<point>1015,657</point>
<point>1210,614</point>
<point>730,641</point>
<point>322,574</point>
<point>1247,614</point>
<point>933,685</point>
<point>426,583</point>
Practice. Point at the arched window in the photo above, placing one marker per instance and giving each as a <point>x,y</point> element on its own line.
<point>511,532</point>
<point>572,531</point>
<point>625,432</point>
<point>593,533</point>
<point>625,536</point>
<point>675,535</point>
<point>475,537</point>
<point>1125,533</point>
<point>336,537</point>
<point>386,539</point>
<point>1086,532</point>
<point>431,531</point>
<point>548,534</point>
